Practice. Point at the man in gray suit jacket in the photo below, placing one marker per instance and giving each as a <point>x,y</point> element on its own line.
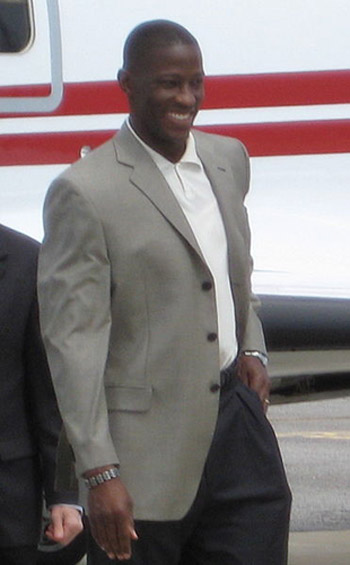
<point>155,348</point>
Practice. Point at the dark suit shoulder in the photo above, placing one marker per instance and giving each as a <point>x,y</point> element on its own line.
<point>18,269</point>
<point>16,242</point>
<point>18,255</point>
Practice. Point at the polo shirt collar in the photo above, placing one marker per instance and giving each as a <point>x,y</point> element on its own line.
<point>190,157</point>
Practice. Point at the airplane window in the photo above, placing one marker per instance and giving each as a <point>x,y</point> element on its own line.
<point>15,25</point>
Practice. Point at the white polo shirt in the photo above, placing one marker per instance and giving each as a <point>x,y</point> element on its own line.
<point>191,188</point>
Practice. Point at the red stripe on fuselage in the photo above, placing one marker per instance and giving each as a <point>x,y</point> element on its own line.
<point>268,139</point>
<point>242,91</point>
<point>224,91</point>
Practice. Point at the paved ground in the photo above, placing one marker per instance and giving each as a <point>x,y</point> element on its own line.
<point>315,441</point>
<point>315,548</point>
<point>319,548</point>
<point>314,438</point>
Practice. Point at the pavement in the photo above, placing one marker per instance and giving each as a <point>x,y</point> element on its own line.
<point>319,548</point>
<point>314,548</point>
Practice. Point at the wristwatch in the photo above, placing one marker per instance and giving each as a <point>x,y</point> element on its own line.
<point>95,480</point>
<point>259,355</point>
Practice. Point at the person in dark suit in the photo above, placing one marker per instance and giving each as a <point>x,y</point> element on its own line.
<point>29,419</point>
<point>155,348</point>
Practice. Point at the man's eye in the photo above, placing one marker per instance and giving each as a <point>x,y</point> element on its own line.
<point>197,83</point>
<point>169,83</point>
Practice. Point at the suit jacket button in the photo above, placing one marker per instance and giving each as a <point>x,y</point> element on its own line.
<point>212,336</point>
<point>207,285</point>
<point>214,387</point>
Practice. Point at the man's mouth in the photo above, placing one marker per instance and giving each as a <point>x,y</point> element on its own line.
<point>180,117</point>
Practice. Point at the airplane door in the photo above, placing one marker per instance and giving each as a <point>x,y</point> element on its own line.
<point>30,56</point>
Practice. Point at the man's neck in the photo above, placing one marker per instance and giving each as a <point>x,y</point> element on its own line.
<point>169,150</point>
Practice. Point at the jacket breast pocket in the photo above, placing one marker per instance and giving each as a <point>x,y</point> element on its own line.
<point>129,398</point>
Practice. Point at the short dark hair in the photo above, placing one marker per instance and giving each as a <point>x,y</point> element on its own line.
<point>155,33</point>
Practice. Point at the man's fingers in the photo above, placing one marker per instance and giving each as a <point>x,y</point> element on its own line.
<point>55,530</point>
<point>120,536</point>
<point>133,534</point>
<point>108,534</point>
<point>65,524</point>
<point>266,404</point>
<point>110,512</point>
<point>127,533</point>
<point>99,533</point>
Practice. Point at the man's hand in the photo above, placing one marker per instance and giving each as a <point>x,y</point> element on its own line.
<point>254,375</point>
<point>65,524</point>
<point>111,520</point>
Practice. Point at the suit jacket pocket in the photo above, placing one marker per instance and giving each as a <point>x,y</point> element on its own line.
<point>129,398</point>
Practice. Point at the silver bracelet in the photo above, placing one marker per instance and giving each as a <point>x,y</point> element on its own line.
<point>259,355</point>
<point>95,480</point>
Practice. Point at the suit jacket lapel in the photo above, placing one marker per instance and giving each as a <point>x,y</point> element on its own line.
<point>223,184</point>
<point>147,177</point>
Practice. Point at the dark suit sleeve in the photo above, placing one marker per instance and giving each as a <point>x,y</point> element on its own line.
<point>43,411</point>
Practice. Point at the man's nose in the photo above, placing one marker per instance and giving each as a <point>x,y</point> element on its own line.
<point>186,96</point>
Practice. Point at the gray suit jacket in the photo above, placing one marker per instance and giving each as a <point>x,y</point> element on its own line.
<point>126,319</point>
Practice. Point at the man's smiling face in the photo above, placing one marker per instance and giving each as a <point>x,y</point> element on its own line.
<point>165,93</point>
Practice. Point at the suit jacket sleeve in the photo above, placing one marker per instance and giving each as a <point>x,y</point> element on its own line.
<point>43,410</point>
<point>252,337</point>
<point>74,295</point>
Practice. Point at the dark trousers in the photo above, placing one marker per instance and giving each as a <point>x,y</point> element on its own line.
<point>240,515</point>
<point>26,555</point>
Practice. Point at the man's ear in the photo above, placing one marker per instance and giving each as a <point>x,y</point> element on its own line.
<point>124,80</point>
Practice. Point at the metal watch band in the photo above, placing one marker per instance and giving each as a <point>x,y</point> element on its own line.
<point>95,480</point>
<point>259,355</point>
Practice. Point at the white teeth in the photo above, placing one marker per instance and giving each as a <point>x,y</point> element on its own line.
<point>180,116</point>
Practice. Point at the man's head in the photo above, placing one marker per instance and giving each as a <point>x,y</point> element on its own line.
<point>162,76</point>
